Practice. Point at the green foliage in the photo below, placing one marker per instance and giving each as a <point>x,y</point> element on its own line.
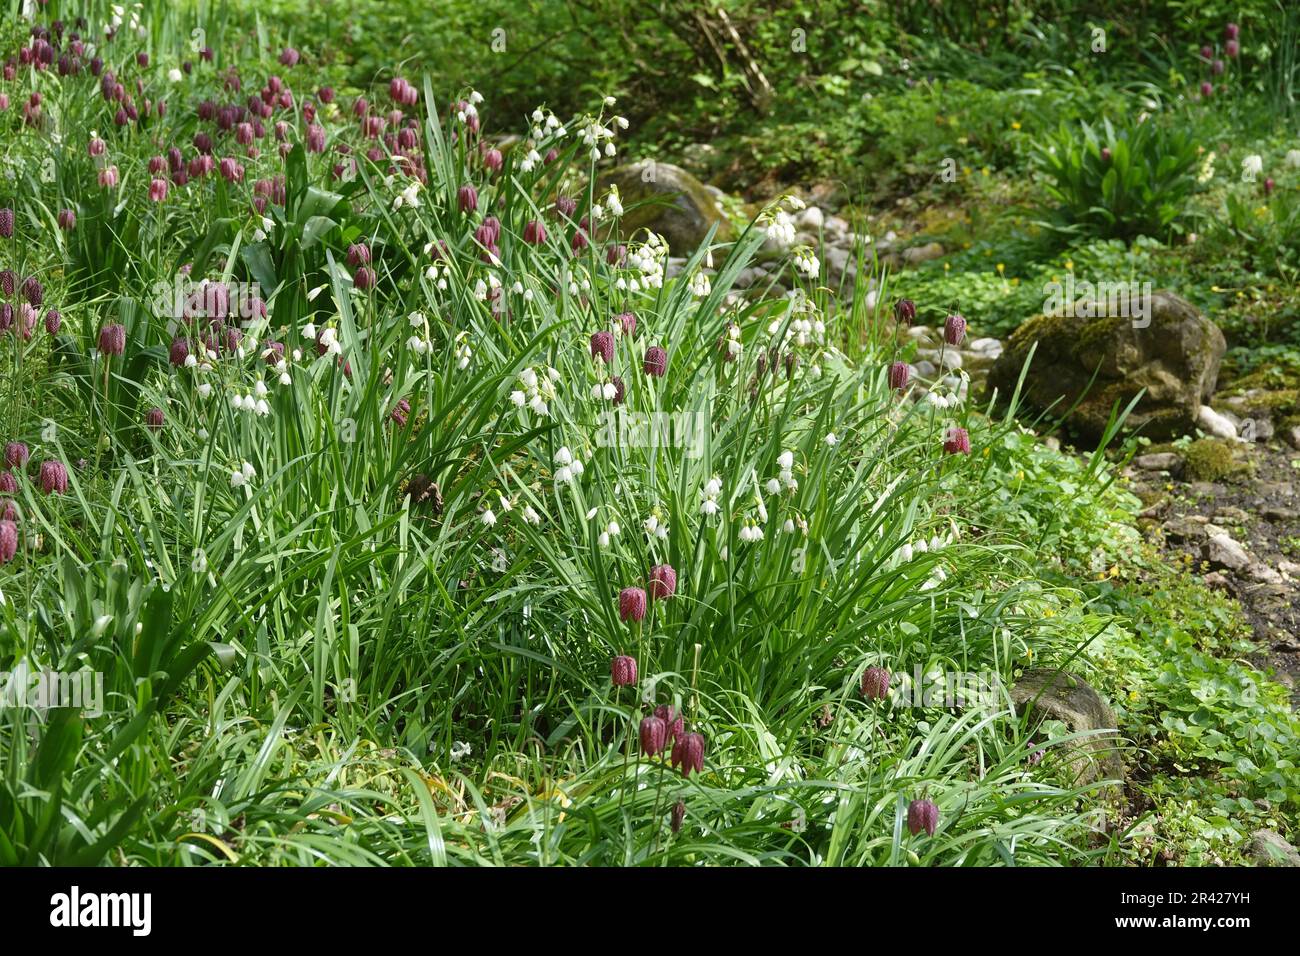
<point>1139,186</point>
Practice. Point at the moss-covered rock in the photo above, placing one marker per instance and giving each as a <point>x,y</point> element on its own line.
<point>1172,361</point>
<point>1213,459</point>
<point>668,200</point>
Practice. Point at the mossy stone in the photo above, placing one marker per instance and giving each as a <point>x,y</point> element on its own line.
<point>1213,459</point>
<point>676,205</point>
<point>1172,361</point>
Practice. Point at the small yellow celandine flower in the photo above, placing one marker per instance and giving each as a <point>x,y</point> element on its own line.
<point>1069,265</point>
<point>1001,268</point>
<point>1015,124</point>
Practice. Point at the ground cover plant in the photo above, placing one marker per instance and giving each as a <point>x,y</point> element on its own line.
<point>400,507</point>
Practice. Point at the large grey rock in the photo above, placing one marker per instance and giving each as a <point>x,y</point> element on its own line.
<point>1268,848</point>
<point>1172,358</point>
<point>1223,551</point>
<point>1047,693</point>
<point>676,204</point>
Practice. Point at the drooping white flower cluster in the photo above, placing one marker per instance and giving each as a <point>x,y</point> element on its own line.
<point>786,478</point>
<point>243,475</point>
<point>655,526</point>
<point>536,392</point>
<point>419,342</point>
<point>649,260</point>
<point>463,354</point>
<point>255,402</point>
<point>569,467</point>
<point>409,196</point>
<point>807,263</point>
<point>780,230</point>
<point>709,496</point>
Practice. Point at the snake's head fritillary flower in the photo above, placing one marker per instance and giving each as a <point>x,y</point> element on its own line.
<point>67,220</point>
<point>654,736</point>
<point>53,477</point>
<point>33,291</point>
<point>179,352</point>
<point>364,278</point>
<point>9,543</point>
<point>663,582</point>
<point>631,604</point>
<point>602,346</point>
<point>672,720</point>
<point>112,339</point>
<point>905,311</point>
<point>153,418</point>
<point>899,373</point>
<point>656,361</point>
<point>53,320</point>
<point>358,254</point>
<point>957,442</point>
<point>622,671</point>
<point>922,815</point>
<point>6,223</point>
<point>534,232</point>
<point>626,322</point>
<point>467,198</point>
<point>875,683</point>
<point>16,455</point>
<point>688,753</point>
<point>954,329</point>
